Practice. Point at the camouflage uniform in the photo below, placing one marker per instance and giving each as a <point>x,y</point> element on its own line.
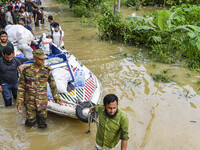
<point>32,90</point>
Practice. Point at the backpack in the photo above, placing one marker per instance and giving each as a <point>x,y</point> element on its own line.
<point>39,16</point>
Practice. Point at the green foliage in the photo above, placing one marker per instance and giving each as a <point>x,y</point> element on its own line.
<point>168,37</point>
<point>131,2</point>
<point>80,11</point>
<point>136,82</point>
<point>163,16</point>
<point>161,78</point>
<point>107,21</point>
<point>185,15</point>
<point>62,1</point>
<point>179,2</point>
<point>162,2</point>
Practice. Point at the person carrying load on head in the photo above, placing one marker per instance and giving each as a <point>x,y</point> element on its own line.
<point>32,90</point>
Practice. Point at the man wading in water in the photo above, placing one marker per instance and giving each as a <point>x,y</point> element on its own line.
<point>32,90</point>
<point>113,124</point>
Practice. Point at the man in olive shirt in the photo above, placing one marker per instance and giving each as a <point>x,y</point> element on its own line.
<point>113,124</point>
<point>4,42</point>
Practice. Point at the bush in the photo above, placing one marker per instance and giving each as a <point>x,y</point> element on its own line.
<point>168,38</point>
<point>80,11</point>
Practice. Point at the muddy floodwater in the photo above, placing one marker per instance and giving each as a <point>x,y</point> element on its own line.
<point>162,116</point>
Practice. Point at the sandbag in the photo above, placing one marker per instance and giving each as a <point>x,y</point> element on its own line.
<point>62,77</point>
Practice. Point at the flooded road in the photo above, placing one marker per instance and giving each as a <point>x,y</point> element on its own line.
<point>162,116</point>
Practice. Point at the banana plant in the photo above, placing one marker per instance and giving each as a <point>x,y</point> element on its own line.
<point>164,25</point>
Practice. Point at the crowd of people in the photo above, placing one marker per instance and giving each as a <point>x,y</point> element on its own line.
<point>12,11</point>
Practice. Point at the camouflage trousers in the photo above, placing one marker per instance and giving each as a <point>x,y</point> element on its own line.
<point>34,116</point>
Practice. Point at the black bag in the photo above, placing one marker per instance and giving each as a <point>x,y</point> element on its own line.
<point>39,15</point>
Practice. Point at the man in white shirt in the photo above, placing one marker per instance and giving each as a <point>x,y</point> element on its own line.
<point>57,35</point>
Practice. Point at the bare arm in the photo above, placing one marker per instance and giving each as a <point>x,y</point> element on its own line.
<point>61,39</point>
<point>32,32</point>
<point>19,109</point>
<point>35,17</point>
<point>20,68</point>
<point>42,16</point>
<point>124,144</point>
<point>91,109</point>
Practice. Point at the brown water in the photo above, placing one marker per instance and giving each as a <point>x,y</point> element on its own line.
<point>162,116</point>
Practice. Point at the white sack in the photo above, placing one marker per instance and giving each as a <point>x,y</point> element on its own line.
<point>62,77</point>
<point>18,33</point>
<point>26,50</point>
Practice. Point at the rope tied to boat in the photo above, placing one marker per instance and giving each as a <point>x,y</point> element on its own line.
<point>92,118</point>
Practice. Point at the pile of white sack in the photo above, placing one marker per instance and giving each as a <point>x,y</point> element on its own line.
<point>62,77</point>
<point>53,60</point>
<point>22,36</point>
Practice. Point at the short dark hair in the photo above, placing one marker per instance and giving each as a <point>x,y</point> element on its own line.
<point>16,7</point>
<point>8,51</point>
<point>55,24</point>
<point>42,8</point>
<point>20,11</point>
<point>3,32</point>
<point>10,8</point>
<point>23,19</point>
<point>50,17</point>
<point>109,99</point>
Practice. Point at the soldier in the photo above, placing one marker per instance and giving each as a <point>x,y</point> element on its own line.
<point>32,90</point>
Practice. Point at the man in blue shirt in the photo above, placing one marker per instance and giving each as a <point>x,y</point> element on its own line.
<point>9,66</point>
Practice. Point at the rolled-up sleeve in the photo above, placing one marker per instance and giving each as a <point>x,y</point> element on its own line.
<point>124,128</point>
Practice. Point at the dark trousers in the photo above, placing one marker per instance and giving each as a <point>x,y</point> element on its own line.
<point>7,91</point>
<point>37,23</point>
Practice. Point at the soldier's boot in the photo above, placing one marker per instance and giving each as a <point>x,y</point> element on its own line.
<point>41,122</point>
<point>30,122</point>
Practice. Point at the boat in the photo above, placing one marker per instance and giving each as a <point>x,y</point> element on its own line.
<point>79,99</point>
